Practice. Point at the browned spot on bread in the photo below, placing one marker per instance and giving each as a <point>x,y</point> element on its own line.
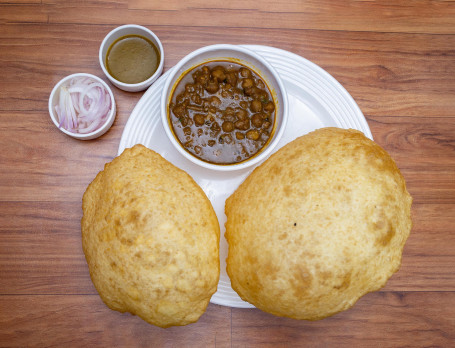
<point>287,190</point>
<point>385,239</point>
<point>133,216</point>
<point>301,281</point>
<point>276,170</point>
<point>282,236</point>
<point>345,282</point>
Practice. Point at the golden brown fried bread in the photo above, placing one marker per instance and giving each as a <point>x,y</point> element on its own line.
<point>319,224</point>
<point>151,239</point>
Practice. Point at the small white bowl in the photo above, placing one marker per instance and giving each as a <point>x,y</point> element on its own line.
<point>53,100</point>
<point>245,57</point>
<point>130,29</point>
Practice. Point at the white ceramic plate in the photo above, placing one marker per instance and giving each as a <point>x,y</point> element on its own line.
<point>316,100</point>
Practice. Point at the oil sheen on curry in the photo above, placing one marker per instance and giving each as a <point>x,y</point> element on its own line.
<point>222,112</point>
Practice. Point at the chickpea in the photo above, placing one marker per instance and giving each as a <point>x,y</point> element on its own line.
<point>179,110</point>
<point>247,83</point>
<point>215,101</point>
<point>180,98</point>
<point>244,72</point>
<point>269,107</point>
<point>218,73</point>
<point>196,99</point>
<point>256,120</point>
<point>198,88</point>
<point>231,78</point>
<point>256,106</point>
<point>215,129</point>
<point>229,112</point>
<point>187,131</point>
<point>241,114</point>
<point>197,149</point>
<point>243,124</point>
<point>230,118</point>
<point>253,134</point>
<point>202,79</point>
<point>225,139</point>
<point>260,84</point>
<point>248,91</point>
<point>189,87</point>
<point>260,94</point>
<point>199,119</point>
<point>211,143</point>
<point>184,121</point>
<point>239,136</point>
<point>212,86</point>
<point>239,124</point>
<point>227,126</point>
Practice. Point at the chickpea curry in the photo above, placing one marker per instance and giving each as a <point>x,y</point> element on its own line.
<point>222,112</point>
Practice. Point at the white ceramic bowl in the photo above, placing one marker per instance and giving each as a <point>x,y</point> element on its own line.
<point>245,57</point>
<point>131,29</point>
<point>53,100</point>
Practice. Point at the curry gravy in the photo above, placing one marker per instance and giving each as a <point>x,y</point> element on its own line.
<point>222,112</point>
<point>132,59</point>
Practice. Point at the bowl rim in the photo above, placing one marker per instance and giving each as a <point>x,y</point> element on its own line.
<point>140,85</point>
<point>224,167</point>
<point>96,133</point>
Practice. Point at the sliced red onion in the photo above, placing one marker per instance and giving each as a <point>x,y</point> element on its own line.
<point>83,105</point>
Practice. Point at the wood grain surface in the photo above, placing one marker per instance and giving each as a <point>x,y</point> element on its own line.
<point>397,60</point>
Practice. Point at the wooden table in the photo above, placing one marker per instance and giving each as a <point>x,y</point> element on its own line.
<point>397,60</point>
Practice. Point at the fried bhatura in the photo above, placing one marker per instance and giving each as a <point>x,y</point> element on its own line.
<point>319,224</point>
<point>151,239</point>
